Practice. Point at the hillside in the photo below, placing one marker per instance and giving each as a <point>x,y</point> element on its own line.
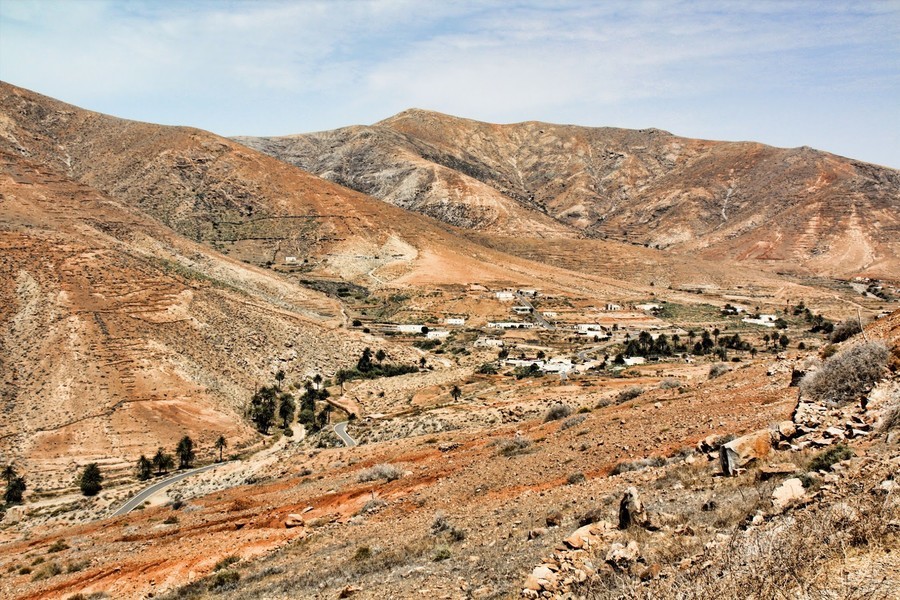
<point>797,210</point>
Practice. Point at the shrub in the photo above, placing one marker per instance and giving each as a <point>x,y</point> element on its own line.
<point>557,412</point>
<point>845,330</point>
<point>487,369</point>
<point>575,478</point>
<point>226,579</point>
<point>573,421</point>
<point>669,383</point>
<point>170,520</point>
<point>629,393</point>
<point>847,375</point>
<point>47,571</point>
<point>91,480</point>
<point>717,370</point>
<point>58,546</point>
<point>78,565</point>
<point>442,552</point>
<point>514,446</point>
<point>381,471</point>
<point>824,460</point>
<point>637,465</point>
<point>362,553</point>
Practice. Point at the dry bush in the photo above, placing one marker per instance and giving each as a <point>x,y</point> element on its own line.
<point>629,393</point>
<point>717,370</point>
<point>847,375</point>
<point>513,446</point>
<point>845,330</point>
<point>637,465</point>
<point>669,383</point>
<point>557,412</point>
<point>572,422</point>
<point>380,471</point>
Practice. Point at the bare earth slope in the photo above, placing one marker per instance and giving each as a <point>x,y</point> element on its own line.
<point>788,209</point>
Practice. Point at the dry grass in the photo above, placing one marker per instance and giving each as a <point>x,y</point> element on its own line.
<point>847,375</point>
<point>382,471</point>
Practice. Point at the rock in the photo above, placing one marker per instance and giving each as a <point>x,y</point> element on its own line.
<point>448,446</point>
<point>856,433</point>
<point>770,471</point>
<point>348,591</point>
<point>835,432</point>
<point>651,572</point>
<point>621,557</point>
<point>536,533</point>
<point>554,519</point>
<point>581,538</point>
<point>787,430</point>
<point>737,453</point>
<point>788,492</point>
<point>709,505</point>
<point>631,511</point>
<point>796,376</point>
<point>293,520</point>
<point>541,578</point>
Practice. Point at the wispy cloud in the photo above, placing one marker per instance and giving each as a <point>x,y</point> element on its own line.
<point>713,69</point>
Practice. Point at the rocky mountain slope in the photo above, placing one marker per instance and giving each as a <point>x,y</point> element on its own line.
<point>787,209</point>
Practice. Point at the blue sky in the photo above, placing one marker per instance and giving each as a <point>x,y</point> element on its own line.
<point>789,73</point>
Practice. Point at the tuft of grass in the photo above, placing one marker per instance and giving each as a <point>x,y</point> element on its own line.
<point>226,562</point>
<point>47,571</point>
<point>58,546</point>
<point>575,478</point>
<point>637,465</point>
<point>824,460</point>
<point>380,471</point>
<point>442,552</point>
<point>669,383</point>
<point>362,553</point>
<point>224,580</point>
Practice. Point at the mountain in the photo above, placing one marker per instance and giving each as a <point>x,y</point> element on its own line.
<point>798,210</point>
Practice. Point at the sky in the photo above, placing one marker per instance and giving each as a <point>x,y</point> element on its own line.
<point>820,73</point>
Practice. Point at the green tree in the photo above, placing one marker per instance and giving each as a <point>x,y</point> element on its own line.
<point>317,379</point>
<point>9,473</point>
<point>221,444</point>
<point>15,488</point>
<point>262,408</point>
<point>364,364</point>
<point>185,452</point>
<point>286,410</point>
<point>456,393</point>
<point>279,377</point>
<point>144,468</point>
<point>91,480</point>
<point>162,461</point>
<point>380,355</point>
<point>784,341</point>
<point>341,377</point>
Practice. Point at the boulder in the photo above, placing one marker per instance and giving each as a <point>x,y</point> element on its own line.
<point>293,520</point>
<point>788,492</point>
<point>787,430</point>
<point>554,519</point>
<point>737,453</point>
<point>774,470</point>
<point>580,538</point>
<point>621,557</point>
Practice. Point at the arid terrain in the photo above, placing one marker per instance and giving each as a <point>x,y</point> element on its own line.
<point>595,368</point>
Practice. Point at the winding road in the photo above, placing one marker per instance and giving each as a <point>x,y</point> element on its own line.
<point>341,430</point>
<point>139,498</point>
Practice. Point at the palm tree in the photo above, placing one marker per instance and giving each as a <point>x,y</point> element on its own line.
<point>185,452</point>
<point>220,445</point>
<point>9,473</point>
<point>456,393</point>
<point>162,461</point>
<point>279,377</point>
<point>317,379</point>
<point>144,468</point>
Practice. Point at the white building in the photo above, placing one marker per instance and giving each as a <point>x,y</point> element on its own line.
<point>634,360</point>
<point>504,296</point>
<point>409,328</point>
<point>290,260</point>
<point>521,310</point>
<point>550,314</point>
<point>454,321</point>
<point>486,342</point>
<point>437,334</point>
<point>510,325</point>
<point>529,292</point>
<point>764,320</point>
<point>648,306</point>
<point>558,365</point>
<point>612,306</point>
<point>588,327</point>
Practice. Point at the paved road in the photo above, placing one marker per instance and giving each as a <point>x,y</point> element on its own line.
<point>139,498</point>
<point>537,316</point>
<point>341,430</point>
